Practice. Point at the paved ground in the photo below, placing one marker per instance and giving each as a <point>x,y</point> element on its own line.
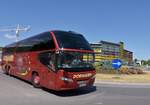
<point>16,92</point>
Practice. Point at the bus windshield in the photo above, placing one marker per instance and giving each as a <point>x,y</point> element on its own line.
<point>71,40</point>
<point>75,60</point>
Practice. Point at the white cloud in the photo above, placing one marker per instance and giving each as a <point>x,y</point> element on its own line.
<point>10,36</point>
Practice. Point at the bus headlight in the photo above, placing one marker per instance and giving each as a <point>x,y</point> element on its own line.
<point>66,79</point>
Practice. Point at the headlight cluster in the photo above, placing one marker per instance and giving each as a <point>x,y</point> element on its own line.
<point>66,79</point>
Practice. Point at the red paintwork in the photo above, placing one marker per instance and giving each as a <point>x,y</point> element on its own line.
<point>67,49</point>
<point>55,41</point>
<point>48,79</point>
<point>61,85</point>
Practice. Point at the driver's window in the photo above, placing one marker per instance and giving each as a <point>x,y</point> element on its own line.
<point>48,59</point>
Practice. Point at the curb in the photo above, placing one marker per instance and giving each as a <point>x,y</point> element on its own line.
<point>119,83</point>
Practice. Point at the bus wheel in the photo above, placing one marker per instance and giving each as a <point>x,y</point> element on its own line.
<point>6,69</point>
<point>36,80</point>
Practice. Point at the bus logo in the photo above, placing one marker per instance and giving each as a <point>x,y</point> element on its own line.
<point>76,76</point>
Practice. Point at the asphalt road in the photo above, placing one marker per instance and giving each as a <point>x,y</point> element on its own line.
<point>16,92</point>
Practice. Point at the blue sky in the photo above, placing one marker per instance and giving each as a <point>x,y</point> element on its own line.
<point>110,20</point>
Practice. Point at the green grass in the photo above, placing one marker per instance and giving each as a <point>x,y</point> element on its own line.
<point>124,78</point>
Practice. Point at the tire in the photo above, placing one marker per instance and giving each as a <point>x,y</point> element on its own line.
<point>6,70</point>
<point>36,80</point>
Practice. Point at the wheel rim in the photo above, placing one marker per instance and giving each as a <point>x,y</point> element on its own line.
<point>36,80</point>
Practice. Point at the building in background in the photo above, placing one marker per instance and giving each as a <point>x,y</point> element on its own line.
<point>0,58</point>
<point>107,51</point>
<point>0,52</point>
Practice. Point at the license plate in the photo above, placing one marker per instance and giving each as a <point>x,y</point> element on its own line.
<point>82,85</point>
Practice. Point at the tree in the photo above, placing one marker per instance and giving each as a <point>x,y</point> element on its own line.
<point>135,60</point>
<point>143,62</point>
<point>148,62</point>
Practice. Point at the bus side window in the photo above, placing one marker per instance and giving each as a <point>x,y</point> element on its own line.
<point>41,42</point>
<point>48,59</point>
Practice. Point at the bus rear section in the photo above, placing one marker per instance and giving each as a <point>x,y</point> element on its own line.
<point>57,60</point>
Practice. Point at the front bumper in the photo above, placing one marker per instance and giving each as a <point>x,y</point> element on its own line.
<point>64,85</point>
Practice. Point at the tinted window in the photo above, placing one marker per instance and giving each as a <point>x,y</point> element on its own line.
<point>48,59</point>
<point>9,48</point>
<point>40,42</point>
<point>71,40</point>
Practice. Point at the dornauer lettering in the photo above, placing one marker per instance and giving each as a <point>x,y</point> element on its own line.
<point>82,75</point>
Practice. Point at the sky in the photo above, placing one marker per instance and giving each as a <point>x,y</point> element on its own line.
<point>109,20</point>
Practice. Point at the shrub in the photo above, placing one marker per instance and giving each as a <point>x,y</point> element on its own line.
<point>124,70</point>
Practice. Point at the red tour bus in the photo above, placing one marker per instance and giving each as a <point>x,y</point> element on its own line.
<point>57,60</point>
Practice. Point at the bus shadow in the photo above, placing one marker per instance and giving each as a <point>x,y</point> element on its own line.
<point>17,78</point>
<point>77,92</point>
<point>66,93</point>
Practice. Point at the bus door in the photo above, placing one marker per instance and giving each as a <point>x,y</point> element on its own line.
<point>49,74</point>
